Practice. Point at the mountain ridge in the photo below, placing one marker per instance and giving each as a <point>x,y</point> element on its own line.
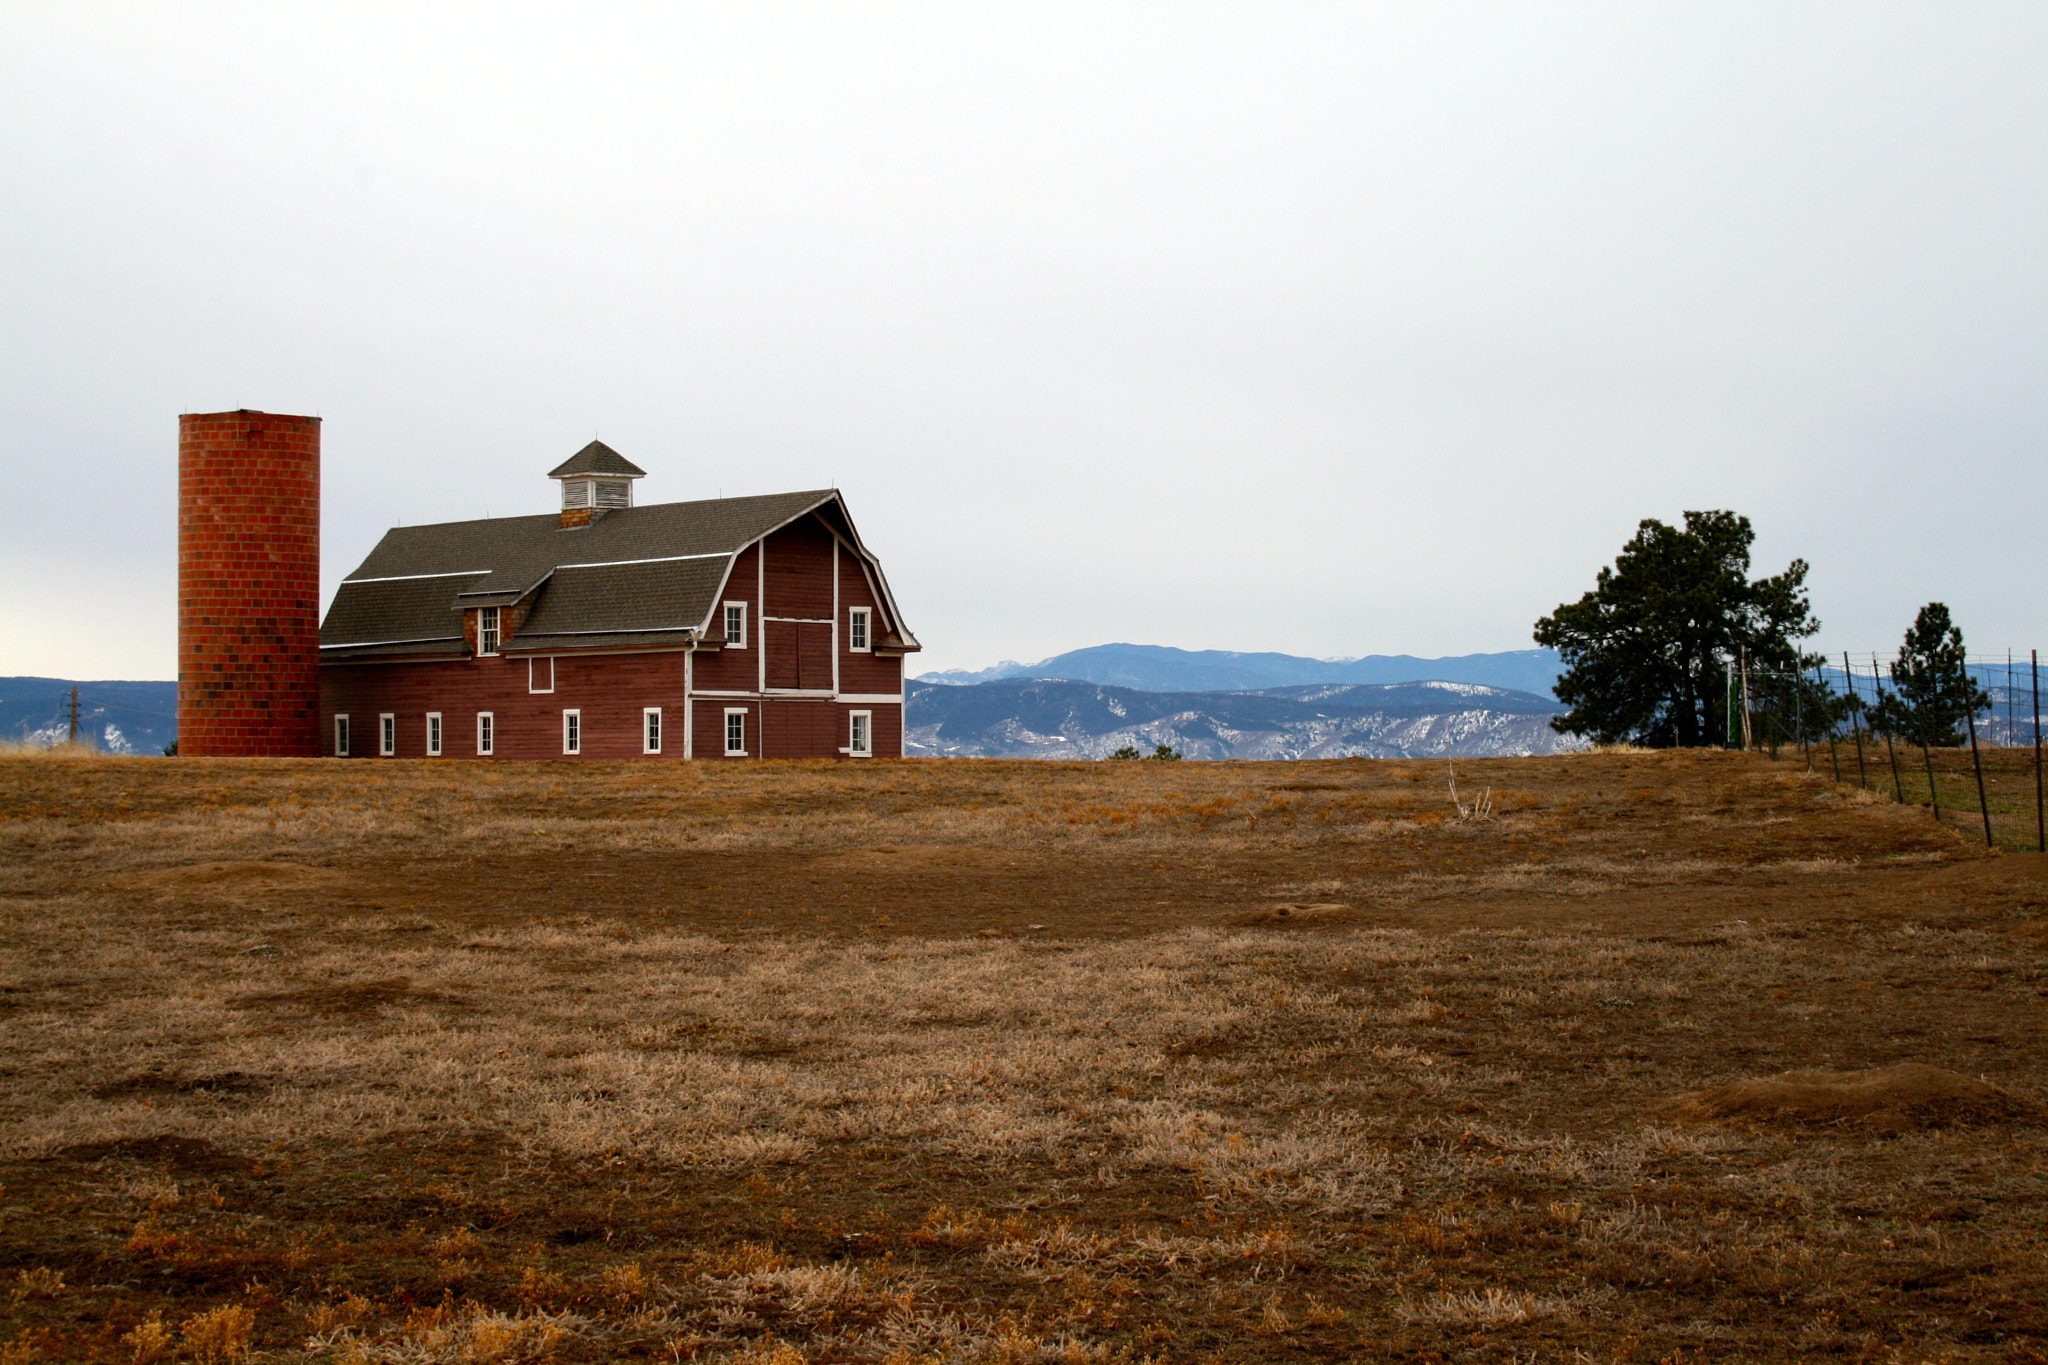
<point>1164,668</point>
<point>1063,718</point>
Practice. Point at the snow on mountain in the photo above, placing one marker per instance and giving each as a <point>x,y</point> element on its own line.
<point>1059,718</point>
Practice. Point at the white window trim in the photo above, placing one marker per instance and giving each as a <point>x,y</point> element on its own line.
<point>653,713</point>
<point>497,632</point>
<point>572,730</point>
<point>387,734</point>
<point>435,734</point>
<point>341,735</point>
<point>866,617</point>
<point>533,662</point>
<point>741,712</point>
<point>486,734</point>
<point>851,718</point>
<point>722,623</point>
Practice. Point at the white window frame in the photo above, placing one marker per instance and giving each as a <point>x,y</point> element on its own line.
<point>730,712</point>
<point>488,638</point>
<point>387,734</point>
<point>860,725</point>
<point>650,729</point>
<point>341,734</point>
<point>572,730</point>
<point>725,619</point>
<point>486,734</point>
<point>433,734</point>
<point>860,630</point>
<point>532,676</point>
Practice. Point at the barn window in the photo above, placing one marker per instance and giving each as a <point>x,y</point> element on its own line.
<point>387,734</point>
<point>572,732</point>
<point>857,630</point>
<point>486,734</point>
<point>540,674</point>
<point>433,734</point>
<point>341,736</point>
<point>650,729</point>
<point>487,630</point>
<point>736,625</point>
<point>861,734</point>
<point>736,732</point>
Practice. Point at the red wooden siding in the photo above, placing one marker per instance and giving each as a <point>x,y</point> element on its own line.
<point>863,673</point>
<point>735,670</point>
<point>800,571</point>
<point>609,690</point>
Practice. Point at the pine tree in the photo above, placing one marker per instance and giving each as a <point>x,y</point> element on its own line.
<point>1933,688</point>
<point>1646,652</point>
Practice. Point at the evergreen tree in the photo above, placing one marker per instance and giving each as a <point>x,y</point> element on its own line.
<point>1646,652</point>
<point>1933,689</point>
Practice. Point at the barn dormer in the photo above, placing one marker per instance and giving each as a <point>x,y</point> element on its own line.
<point>595,480</point>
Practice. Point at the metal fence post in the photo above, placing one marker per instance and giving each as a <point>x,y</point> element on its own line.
<point>1982,803</point>
<point>1821,674</point>
<point>1891,751</point>
<point>1855,724</point>
<point>2040,811</point>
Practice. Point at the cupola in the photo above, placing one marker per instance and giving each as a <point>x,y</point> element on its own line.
<point>595,480</point>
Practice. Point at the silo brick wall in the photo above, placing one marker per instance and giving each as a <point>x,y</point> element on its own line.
<point>248,585</point>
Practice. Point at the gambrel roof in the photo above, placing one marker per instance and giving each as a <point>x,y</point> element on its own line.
<point>637,576</point>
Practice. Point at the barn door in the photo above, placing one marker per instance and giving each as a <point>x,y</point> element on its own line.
<point>814,655</point>
<point>799,654</point>
<point>779,641</point>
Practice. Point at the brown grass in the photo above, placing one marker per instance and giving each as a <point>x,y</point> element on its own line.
<point>1010,1062</point>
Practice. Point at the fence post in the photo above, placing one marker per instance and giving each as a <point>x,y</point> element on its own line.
<point>1855,724</point>
<point>1898,786</point>
<point>1833,757</point>
<point>1982,803</point>
<point>1933,793</point>
<point>2040,811</point>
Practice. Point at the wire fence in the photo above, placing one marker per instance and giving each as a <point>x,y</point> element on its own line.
<point>1977,769</point>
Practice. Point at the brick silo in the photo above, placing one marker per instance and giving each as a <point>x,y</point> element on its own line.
<point>248,585</point>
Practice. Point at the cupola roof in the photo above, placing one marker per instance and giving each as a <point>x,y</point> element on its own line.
<point>600,460</point>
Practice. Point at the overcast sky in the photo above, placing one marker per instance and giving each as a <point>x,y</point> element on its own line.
<point>1363,328</point>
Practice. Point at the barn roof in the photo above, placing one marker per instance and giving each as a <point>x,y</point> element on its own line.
<point>635,576</point>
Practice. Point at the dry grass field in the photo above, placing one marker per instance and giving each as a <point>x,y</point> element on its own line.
<point>1012,1062</point>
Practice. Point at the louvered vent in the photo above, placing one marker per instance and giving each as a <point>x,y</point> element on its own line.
<point>614,493</point>
<point>575,493</point>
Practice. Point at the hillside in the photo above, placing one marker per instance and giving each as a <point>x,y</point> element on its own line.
<point>1159,668</point>
<point>1056,718</point>
<point>120,717</point>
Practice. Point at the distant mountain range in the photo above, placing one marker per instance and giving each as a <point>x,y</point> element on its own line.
<point>120,717</point>
<point>1057,718</point>
<point>1160,668</point>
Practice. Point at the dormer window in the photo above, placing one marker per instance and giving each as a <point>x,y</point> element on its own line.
<point>487,630</point>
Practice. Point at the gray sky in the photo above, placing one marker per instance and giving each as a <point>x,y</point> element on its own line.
<point>1327,329</point>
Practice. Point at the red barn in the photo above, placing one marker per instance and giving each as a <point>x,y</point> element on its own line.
<point>735,628</point>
